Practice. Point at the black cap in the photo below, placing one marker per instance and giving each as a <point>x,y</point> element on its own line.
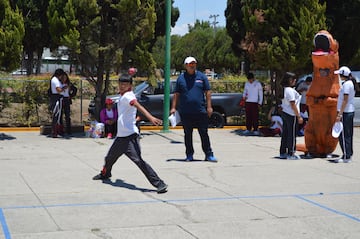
<point>125,78</point>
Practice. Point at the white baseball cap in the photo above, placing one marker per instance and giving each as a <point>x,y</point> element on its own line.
<point>189,59</point>
<point>336,129</point>
<point>344,70</point>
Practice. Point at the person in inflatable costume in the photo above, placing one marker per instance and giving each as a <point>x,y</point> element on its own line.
<point>321,97</point>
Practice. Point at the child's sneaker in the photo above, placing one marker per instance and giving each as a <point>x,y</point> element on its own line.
<point>293,157</point>
<point>109,136</point>
<point>162,188</point>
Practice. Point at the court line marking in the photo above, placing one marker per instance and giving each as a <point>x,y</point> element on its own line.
<point>302,197</point>
<point>329,209</point>
<point>4,226</point>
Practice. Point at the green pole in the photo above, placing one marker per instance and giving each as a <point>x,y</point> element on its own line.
<point>167,67</point>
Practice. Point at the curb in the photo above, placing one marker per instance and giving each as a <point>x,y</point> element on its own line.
<point>145,127</point>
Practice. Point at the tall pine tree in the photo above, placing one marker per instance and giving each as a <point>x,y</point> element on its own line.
<point>11,36</point>
<point>36,31</point>
<point>276,35</point>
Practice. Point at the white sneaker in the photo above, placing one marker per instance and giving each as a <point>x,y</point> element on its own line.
<point>343,160</point>
<point>293,157</point>
<point>256,133</point>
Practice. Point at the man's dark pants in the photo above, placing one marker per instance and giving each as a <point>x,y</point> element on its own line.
<point>201,122</point>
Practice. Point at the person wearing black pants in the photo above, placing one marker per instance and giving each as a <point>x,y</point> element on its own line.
<point>192,96</point>
<point>56,89</point>
<point>288,137</point>
<point>66,110</point>
<point>129,146</point>
<point>66,102</point>
<point>127,138</point>
<point>199,121</point>
<point>346,113</point>
<point>290,116</point>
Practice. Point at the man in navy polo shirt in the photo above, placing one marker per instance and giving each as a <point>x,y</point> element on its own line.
<point>192,88</point>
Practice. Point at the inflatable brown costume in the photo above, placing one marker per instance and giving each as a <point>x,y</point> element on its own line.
<point>322,95</point>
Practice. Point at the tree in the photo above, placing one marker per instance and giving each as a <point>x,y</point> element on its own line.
<point>99,34</point>
<point>218,53</point>
<point>192,44</point>
<point>235,24</point>
<point>279,34</point>
<point>160,26</point>
<point>36,31</point>
<point>11,35</point>
<point>342,19</point>
<point>211,52</point>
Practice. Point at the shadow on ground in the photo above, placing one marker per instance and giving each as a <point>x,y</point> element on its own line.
<point>6,137</point>
<point>184,160</point>
<point>242,132</point>
<point>121,183</point>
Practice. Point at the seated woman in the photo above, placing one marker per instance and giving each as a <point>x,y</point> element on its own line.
<point>276,123</point>
<point>108,116</point>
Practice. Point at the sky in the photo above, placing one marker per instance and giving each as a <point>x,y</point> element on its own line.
<point>191,10</point>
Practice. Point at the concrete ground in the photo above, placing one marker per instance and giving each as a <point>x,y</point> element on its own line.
<point>46,190</point>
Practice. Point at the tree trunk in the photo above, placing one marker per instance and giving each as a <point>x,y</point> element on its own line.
<point>100,94</point>
<point>39,61</point>
<point>29,63</point>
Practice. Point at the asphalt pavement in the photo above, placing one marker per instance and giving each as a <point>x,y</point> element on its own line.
<point>47,191</point>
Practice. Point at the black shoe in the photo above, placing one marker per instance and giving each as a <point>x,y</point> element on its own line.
<point>101,177</point>
<point>162,188</point>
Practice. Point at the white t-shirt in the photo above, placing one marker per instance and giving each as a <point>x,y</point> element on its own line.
<point>55,82</point>
<point>277,122</point>
<point>126,124</point>
<point>347,88</point>
<point>65,93</point>
<point>290,94</point>
<point>253,92</point>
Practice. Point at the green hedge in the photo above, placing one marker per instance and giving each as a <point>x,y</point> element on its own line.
<point>28,96</point>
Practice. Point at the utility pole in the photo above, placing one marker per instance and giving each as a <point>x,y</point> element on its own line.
<point>214,22</point>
